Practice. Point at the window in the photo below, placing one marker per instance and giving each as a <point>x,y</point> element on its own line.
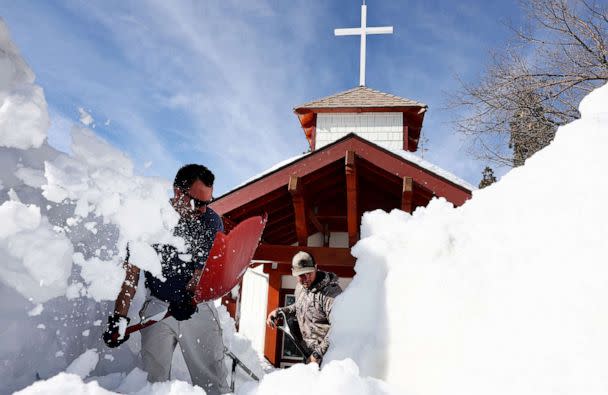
<point>288,349</point>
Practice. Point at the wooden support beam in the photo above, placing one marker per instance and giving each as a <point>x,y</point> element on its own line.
<point>324,256</point>
<point>315,221</point>
<point>407,195</point>
<point>299,207</point>
<point>270,340</point>
<point>351,197</point>
<point>340,271</point>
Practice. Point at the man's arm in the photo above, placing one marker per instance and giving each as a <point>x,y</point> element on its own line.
<point>328,304</point>
<point>274,314</point>
<point>115,335</point>
<point>288,310</point>
<point>127,290</point>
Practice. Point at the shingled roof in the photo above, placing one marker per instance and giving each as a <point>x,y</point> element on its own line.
<point>360,96</point>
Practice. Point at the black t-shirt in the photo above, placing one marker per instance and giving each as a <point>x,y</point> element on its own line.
<point>179,268</point>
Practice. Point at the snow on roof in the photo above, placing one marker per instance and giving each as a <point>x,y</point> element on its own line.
<point>411,157</point>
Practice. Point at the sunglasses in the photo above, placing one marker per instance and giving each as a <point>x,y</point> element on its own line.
<point>196,202</point>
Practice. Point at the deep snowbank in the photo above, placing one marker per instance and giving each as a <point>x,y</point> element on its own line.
<point>504,295</point>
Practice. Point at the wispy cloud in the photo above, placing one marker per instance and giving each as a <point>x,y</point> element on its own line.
<point>215,81</point>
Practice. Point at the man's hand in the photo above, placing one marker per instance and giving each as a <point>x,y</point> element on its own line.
<point>114,334</point>
<point>185,308</point>
<point>271,321</point>
<point>315,357</point>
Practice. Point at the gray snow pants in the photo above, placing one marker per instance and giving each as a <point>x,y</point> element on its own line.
<point>200,339</point>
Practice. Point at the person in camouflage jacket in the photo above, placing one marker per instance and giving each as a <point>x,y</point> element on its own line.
<point>315,294</point>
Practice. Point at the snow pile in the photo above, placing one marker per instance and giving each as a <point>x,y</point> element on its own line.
<point>22,103</point>
<point>27,242</point>
<point>65,383</point>
<point>503,295</point>
<point>337,377</point>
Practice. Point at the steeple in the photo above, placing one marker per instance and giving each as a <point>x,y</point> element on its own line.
<point>390,121</point>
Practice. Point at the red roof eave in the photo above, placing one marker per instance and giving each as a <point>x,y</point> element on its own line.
<point>440,186</point>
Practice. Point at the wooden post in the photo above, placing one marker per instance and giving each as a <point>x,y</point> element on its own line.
<point>299,206</point>
<point>270,340</point>
<point>351,197</point>
<point>407,195</point>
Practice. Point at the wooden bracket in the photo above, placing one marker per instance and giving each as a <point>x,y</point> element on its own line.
<point>315,221</point>
<point>407,195</point>
<point>299,206</point>
<point>351,197</point>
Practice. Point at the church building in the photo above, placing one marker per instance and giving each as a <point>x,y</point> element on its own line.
<point>362,158</point>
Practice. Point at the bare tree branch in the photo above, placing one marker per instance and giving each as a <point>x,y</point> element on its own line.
<point>515,107</point>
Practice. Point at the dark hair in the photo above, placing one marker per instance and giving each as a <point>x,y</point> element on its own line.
<point>186,176</point>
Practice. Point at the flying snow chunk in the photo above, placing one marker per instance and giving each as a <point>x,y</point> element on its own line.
<point>84,117</point>
<point>102,278</point>
<point>34,259</point>
<point>146,258</point>
<point>31,177</point>
<point>24,118</point>
<point>36,310</point>
<point>84,364</point>
<point>16,217</point>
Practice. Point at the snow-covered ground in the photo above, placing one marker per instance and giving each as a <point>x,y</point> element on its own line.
<point>503,295</point>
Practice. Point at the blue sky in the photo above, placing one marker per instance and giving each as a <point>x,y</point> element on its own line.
<point>215,82</point>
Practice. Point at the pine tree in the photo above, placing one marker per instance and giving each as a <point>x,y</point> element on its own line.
<point>530,129</point>
<point>487,177</point>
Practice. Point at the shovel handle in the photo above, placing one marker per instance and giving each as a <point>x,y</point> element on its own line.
<point>140,326</point>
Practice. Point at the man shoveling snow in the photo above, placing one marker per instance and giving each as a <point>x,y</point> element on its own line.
<point>195,328</point>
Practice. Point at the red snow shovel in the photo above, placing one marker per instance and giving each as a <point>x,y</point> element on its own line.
<point>228,260</point>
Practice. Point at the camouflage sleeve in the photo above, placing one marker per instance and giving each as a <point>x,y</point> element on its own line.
<point>328,304</point>
<point>288,310</point>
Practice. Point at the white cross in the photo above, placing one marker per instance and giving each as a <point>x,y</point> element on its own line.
<point>363,31</point>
